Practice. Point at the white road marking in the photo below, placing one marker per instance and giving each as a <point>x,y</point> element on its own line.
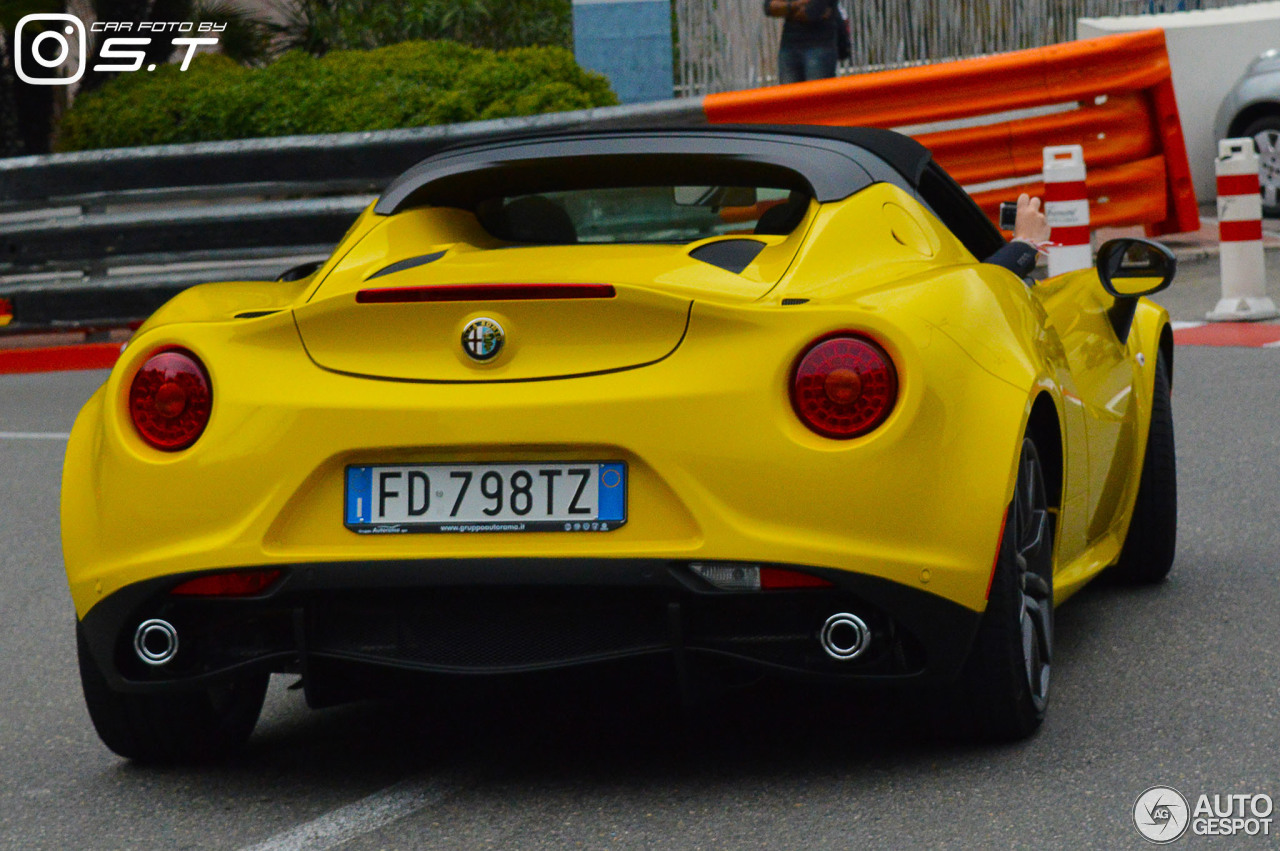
<point>1178,326</point>
<point>34,435</point>
<point>364,816</point>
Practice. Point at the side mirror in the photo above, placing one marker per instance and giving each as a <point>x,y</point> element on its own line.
<point>1129,268</point>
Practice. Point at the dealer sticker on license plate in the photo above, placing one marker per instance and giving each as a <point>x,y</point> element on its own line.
<point>532,497</point>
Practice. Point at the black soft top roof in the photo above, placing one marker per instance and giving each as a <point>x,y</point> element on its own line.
<point>830,163</point>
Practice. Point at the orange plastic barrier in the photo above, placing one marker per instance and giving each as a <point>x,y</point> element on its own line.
<point>1126,194</point>
<point>1125,119</point>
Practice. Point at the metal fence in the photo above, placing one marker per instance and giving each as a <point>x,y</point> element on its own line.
<point>729,44</point>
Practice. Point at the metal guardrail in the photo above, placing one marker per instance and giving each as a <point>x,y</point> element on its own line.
<point>104,237</point>
<point>205,232</point>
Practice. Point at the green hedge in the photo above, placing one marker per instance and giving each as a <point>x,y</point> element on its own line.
<point>405,85</point>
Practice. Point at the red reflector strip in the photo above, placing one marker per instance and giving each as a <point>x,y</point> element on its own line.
<point>1066,190</point>
<point>58,358</point>
<point>241,583</point>
<point>483,292</point>
<point>1239,184</point>
<point>6,307</point>
<point>1072,235</point>
<point>1245,231</point>
<point>777,577</point>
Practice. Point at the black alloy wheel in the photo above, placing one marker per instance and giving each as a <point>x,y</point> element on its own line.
<point>1034,560</point>
<point>1003,690</point>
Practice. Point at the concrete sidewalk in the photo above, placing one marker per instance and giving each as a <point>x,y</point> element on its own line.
<point>1197,287</point>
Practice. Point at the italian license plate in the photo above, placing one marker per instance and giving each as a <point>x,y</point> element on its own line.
<point>532,497</point>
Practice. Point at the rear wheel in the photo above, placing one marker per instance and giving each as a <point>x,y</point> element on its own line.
<point>179,727</point>
<point>1004,687</point>
<point>1149,547</point>
<point>1265,133</point>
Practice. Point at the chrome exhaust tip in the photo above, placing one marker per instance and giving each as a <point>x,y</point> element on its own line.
<point>155,641</point>
<point>844,637</point>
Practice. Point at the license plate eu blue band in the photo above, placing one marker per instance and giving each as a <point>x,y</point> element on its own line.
<point>531,497</point>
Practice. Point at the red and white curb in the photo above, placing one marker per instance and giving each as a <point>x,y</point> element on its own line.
<point>1247,335</point>
<point>59,358</point>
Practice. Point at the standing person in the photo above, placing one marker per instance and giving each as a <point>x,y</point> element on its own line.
<point>808,47</point>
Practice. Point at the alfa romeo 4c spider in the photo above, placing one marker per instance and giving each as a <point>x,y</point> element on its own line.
<point>740,398</point>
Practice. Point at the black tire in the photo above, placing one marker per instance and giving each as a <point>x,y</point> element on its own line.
<point>1265,133</point>
<point>1004,687</point>
<point>180,727</point>
<point>1152,540</point>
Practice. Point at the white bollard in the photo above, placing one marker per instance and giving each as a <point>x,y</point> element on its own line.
<point>1066,206</point>
<point>1244,274</point>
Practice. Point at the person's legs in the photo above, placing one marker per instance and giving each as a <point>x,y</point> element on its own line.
<point>791,64</point>
<point>820,62</point>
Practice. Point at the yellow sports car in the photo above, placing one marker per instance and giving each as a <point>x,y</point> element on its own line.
<point>721,398</point>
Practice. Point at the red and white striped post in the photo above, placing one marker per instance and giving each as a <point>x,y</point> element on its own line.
<point>1066,206</point>
<point>1244,274</point>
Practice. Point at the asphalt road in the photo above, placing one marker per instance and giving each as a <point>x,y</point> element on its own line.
<point>1175,684</point>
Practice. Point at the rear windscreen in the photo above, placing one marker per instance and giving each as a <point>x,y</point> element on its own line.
<point>664,214</point>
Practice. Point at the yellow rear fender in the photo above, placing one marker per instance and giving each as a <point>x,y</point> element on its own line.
<point>992,316</point>
<point>883,252</point>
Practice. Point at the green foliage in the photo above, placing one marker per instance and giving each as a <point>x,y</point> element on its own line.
<point>406,85</point>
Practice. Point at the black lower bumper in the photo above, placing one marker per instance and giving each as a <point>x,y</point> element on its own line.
<point>504,616</point>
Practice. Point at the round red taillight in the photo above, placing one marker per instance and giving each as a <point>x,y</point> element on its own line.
<point>844,386</point>
<point>170,399</point>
